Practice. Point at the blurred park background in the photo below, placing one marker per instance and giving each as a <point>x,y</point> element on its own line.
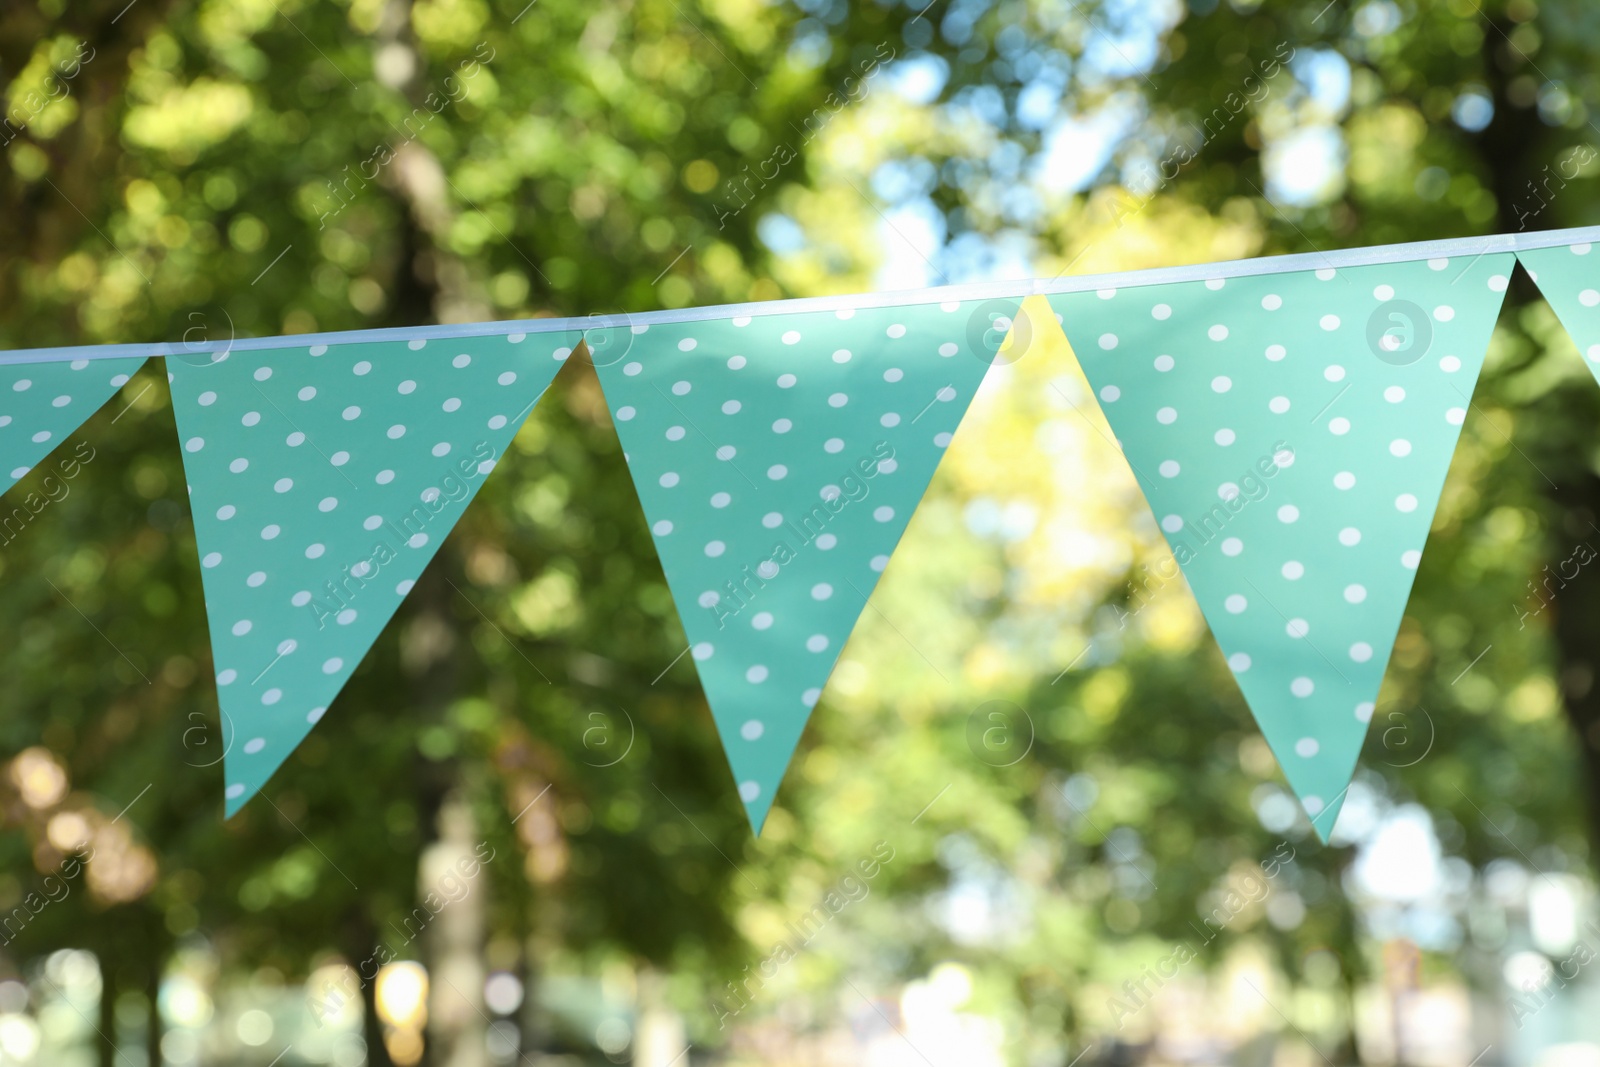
<point>1081,852</point>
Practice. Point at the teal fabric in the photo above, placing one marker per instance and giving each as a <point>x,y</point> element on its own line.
<point>778,460</point>
<point>322,481</point>
<point>1291,433</point>
<point>42,403</point>
<point>1569,278</point>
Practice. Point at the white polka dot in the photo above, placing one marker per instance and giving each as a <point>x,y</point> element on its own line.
<point>662,528</point>
<point>263,373</point>
<point>1444,312</point>
<point>726,452</point>
<point>883,514</point>
<point>1276,352</point>
<point>211,559</point>
<point>1360,652</point>
<point>752,730</point>
<point>1339,426</point>
<point>735,363</point>
<point>1400,447</point>
<point>1167,416</point>
<point>194,444</point>
<point>1278,405</point>
<point>1326,274</point>
<point>1284,457</point>
<point>772,520</point>
<point>1224,437</point>
<point>1410,558</point>
<point>1456,416</point>
<point>1333,373</point>
<point>681,388</point>
<point>947,350</point>
<point>893,374</point>
<point>1302,687</point>
<point>372,522</point>
<point>675,433</point>
<point>270,531</point>
<point>1297,628</point>
<point>1228,491</point>
<point>1349,536</point>
<point>791,337</point>
<point>461,361</point>
<point>1449,364</point>
<point>1108,341</point>
<point>782,426</point>
<point>1239,662</point>
<point>241,627</point>
<point>227,677</point>
<point>688,344</point>
<point>821,591</point>
<point>1161,312</point>
<point>1110,394</point>
<point>715,548</point>
<point>1329,322</point>
<point>1355,593</point>
<point>1294,570</point>
<point>1218,332</point>
<point>877,563</point>
<point>239,466</point>
<point>1235,604</point>
<point>283,485</point>
<point>295,440</point>
<point>270,697</point>
<point>786,381</point>
<point>396,432</point>
<point>250,418</point>
<point>308,392</point>
<point>762,620</point>
<point>1307,747</point>
<point>1364,711</point>
<point>1169,468</point>
<point>749,791</point>
<point>731,407</point>
<point>1498,283</point>
<point>942,439</point>
<point>710,598</point>
<point>843,355</point>
<point>1344,480</point>
<point>384,477</point>
<point>226,512</point>
<point>720,500</point>
<point>1438,264</point>
<point>1394,394</point>
<point>777,472</point>
<point>1272,302</point>
<point>889,420</point>
<point>1232,546</point>
<point>1172,523</point>
<point>404,587</point>
<point>826,541</point>
<point>756,675</point>
<point>256,580</point>
<point>1221,383</point>
<point>838,400</point>
<point>668,480</point>
<point>1288,513</point>
<point>1405,502</point>
<point>1163,363</point>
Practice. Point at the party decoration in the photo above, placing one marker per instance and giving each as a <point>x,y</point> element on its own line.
<point>1568,276</point>
<point>779,459</point>
<point>1291,432</point>
<point>323,478</point>
<point>42,403</point>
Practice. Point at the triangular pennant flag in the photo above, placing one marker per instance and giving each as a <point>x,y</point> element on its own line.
<point>322,480</point>
<point>42,403</point>
<point>1292,433</point>
<point>1568,276</point>
<point>779,459</point>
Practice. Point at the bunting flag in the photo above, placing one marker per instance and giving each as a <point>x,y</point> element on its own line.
<point>42,403</point>
<point>1568,276</point>
<point>778,459</point>
<point>1291,432</point>
<point>322,480</point>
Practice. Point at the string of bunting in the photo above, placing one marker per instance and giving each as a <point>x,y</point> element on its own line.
<point>1290,420</point>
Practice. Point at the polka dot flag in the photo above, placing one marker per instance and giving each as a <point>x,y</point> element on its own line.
<point>1569,278</point>
<point>779,459</point>
<point>322,480</point>
<point>42,403</point>
<point>1292,433</point>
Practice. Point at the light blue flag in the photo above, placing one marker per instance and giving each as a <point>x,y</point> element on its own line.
<point>1292,433</point>
<point>322,480</point>
<point>778,459</point>
<point>1569,278</point>
<point>42,403</point>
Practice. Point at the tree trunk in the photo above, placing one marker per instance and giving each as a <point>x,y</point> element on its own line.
<point>453,881</point>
